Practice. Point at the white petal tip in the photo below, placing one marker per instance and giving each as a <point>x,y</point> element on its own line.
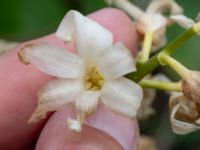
<point>74,125</point>
<point>182,20</point>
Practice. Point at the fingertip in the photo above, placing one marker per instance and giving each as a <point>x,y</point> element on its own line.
<point>122,129</point>
<point>56,135</point>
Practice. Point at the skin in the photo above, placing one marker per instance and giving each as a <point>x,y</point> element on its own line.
<point>18,87</point>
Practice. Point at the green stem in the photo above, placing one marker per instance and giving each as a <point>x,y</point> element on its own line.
<point>166,86</point>
<point>174,64</point>
<point>144,54</point>
<point>153,63</point>
<point>179,41</point>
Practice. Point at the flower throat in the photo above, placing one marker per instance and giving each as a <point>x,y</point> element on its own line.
<point>93,79</point>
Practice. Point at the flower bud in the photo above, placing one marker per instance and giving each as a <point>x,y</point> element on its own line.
<point>145,109</point>
<point>184,114</point>
<point>191,86</point>
<point>156,23</point>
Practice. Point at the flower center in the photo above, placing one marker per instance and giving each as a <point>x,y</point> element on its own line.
<point>93,80</point>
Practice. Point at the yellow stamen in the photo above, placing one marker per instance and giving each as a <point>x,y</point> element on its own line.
<point>93,79</point>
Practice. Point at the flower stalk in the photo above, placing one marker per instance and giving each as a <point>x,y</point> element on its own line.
<point>174,64</point>
<point>147,44</point>
<point>159,85</point>
<point>153,62</point>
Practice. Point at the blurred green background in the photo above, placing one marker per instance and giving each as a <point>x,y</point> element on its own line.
<point>22,20</point>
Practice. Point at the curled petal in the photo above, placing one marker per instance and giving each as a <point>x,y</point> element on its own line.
<point>87,101</point>
<point>175,8</point>
<point>133,11</point>
<point>116,62</point>
<point>54,95</point>
<point>90,37</point>
<point>183,21</point>
<point>184,114</point>
<point>160,6</point>
<point>181,127</point>
<point>122,96</point>
<point>53,60</point>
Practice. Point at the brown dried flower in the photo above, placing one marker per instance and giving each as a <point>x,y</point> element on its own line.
<point>191,86</point>
<point>184,114</point>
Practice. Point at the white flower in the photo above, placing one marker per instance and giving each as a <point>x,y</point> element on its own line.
<point>154,21</point>
<point>151,20</point>
<point>94,74</point>
<point>184,114</point>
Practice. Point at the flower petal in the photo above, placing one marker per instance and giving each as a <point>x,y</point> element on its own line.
<point>152,22</point>
<point>87,101</point>
<point>146,106</point>
<point>181,127</point>
<point>132,10</point>
<point>53,60</point>
<point>184,114</point>
<point>90,37</point>
<point>160,6</point>
<point>122,96</point>
<point>116,62</point>
<point>54,95</point>
<point>183,21</point>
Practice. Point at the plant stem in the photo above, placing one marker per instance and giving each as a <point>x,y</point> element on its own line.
<point>174,64</point>
<point>150,65</point>
<point>144,54</point>
<point>179,41</point>
<point>166,86</point>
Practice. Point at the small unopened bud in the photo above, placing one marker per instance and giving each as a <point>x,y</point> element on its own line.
<point>156,23</point>
<point>145,109</point>
<point>191,86</point>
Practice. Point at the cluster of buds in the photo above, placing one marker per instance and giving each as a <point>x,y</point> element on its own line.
<point>151,25</point>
